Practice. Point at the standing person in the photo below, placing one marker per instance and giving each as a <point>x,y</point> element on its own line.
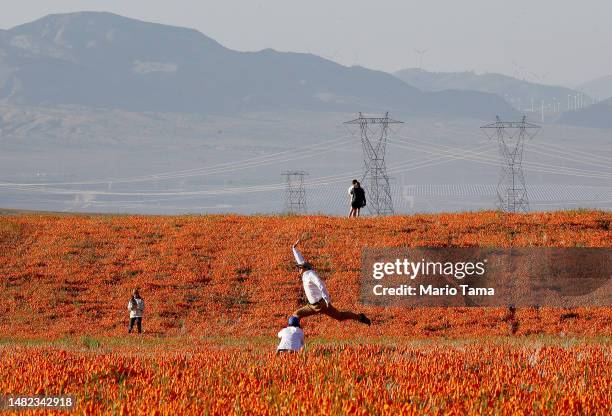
<point>318,296</point>
<point>292,337</point>
<point>358,199</point>
<point>136,308</point>
<point>350,193</point>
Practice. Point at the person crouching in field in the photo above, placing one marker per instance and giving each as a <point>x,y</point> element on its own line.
<point>292,337</point>
<point>136,308</point>
<point>358,199</point>
<point>318,296</point>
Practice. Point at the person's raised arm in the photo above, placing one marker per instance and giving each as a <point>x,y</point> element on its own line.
<point>299,259</point>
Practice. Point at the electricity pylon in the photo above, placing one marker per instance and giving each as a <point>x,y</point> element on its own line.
<point>295,192</point>
<point>374,133</point>
<point>511,136</point>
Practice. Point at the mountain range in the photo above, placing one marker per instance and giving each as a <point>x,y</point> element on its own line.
<point>600,88</point>
<point>98,59</point>
<point>597,115</point>
<point>521,94</point>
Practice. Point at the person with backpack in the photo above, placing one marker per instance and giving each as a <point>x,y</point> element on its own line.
<point>291,337</point>
<point>358,199</point>
<point>136,308</point>
<point>319,301</point>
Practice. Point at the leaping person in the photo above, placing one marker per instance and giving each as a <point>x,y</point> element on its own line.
<point>318,296</point>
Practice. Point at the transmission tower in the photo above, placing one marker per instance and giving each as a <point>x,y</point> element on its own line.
<point>511,136</point>
<point>374,132</point>
<point>295,192</point>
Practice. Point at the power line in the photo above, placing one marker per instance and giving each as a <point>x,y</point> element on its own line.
<point>475,157</point>
<point>574,156</point>
<point>574,151</point>
<point>227,167</point>
<point>445,156</point>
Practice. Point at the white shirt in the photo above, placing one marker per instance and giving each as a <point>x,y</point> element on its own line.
<point>137,309</point>
<point>292,338</point>
<point>314,287</point>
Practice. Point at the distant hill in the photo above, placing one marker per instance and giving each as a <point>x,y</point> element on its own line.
<point>104,60</point>
<point>517,92</point>
<point>597,115</point>
<point>600,88</point>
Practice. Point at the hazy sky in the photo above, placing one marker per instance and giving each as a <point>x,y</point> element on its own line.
<point>551,41</point>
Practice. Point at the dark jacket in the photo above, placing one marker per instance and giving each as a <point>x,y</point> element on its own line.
<point>358,197</point>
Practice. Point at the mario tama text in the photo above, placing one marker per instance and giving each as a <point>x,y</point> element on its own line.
<point>431,290</point>
<point>535,276</point>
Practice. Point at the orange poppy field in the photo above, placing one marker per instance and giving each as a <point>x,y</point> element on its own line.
<point>218,288</point>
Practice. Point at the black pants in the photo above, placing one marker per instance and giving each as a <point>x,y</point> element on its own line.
<point>138,324</point>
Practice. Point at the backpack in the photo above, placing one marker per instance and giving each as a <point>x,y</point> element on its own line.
<point>359,196</point>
